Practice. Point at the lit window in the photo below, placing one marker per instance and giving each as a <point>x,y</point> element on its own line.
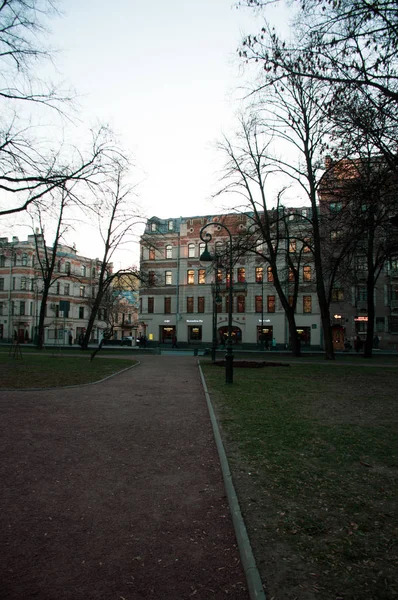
<point>271,304</point>
<point>259,304</point>
<point>307,304</point>
<point>219,275</point>
<point>190,276</point>
<point>191,250</point>
<point>259,274</point>
<point>202,276</point>
<point>168,278</point>
<point>169,251</point>
<point>306,273</point>
<point>292,246</point>
<point>291,274</point>
<point>241,275</point>
<point>151,253</point>
<point>81,291</point>
<point>241,304</point>
<point>307,245</point>
<point>270,275</point>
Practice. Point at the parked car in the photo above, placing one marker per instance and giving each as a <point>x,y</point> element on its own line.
<point>127,341</point>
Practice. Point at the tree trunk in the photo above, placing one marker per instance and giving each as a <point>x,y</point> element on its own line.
<point>294,336</point>
<point>90,324</point>
<point>42,316</point>
<point>368,348</point>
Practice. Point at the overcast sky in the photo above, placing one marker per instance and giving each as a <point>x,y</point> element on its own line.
<point>165,76</point>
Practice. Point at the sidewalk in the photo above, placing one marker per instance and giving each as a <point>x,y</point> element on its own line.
<point>114,491</point>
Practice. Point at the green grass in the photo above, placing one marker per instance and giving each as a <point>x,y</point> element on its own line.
<point>56,370</point>
<point>313,453</point>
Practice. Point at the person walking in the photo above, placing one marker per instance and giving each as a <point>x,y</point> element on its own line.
<point>174,342</point>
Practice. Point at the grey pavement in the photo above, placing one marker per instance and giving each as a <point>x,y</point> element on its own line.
<point>114,491</point>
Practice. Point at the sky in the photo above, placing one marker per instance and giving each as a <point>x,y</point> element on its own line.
<point>167,79</point>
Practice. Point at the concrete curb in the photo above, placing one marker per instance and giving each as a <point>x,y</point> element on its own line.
<point>254,583</point>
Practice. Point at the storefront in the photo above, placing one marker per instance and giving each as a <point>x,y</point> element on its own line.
<point>167,333</point>
<point>236,334</point>
<point>194,333</point>
<point>265,334</point>
<point>304,334</point>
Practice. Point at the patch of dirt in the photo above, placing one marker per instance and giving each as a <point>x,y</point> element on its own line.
<point>251,364</point>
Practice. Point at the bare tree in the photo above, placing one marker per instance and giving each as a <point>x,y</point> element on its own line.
<point>117,216</point>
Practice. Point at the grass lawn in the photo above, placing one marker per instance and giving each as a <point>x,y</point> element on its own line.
<point>55,370</point>
<point>313,450</point>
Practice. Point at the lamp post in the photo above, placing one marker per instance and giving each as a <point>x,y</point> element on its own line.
<point>262,312</point>
<point>216,302</point>
<point>206,257</point>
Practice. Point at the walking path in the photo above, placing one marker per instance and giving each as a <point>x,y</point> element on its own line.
<point>114,491</point>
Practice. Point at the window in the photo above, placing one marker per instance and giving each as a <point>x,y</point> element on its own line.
<point>291,274</point>
<point>22,308</point>
<point>307,304</point>
<point>191,250</point>
<point>32,285</point>
<point>168,278</point>
<point>241,275</point>
<point>150,304</point>
<point>151,278</point>
<point>14,283</point>
<point>83,270</point>
<point>290,300</point>
<point>307,245</point>
<point>306,273</point>
<point>360,263</point>
<point>270,275</point>
<point>15,259</point>
<point>81,291</point>
<point>57,310</point>
<point>66,289</point>
<point>219,305</point>
<point>58,266</point>
<point>219,275</point>
<point>292,246</point>
<point>259,274</point>
<point>227,304</point>
<point>58,288</point>
<point>151,253</point>
<point>67,268</point>
<point>195,333</point>
<point>202,276</point>
<point>337,294</point>
<point>81,312</point>
<point>2,261</point>
<point>170,225</point>
<point>1,283</point>
<point>190,304</point>
<point>24,259</point>
<point>93,272</point>
<point>258,304</point>
<point>23,283</point>
<point>380,324</point>
<point>1,309</point>
<point>202,247</point>
<point>241,304</point>
<point>201,304</point>
<point>335,236</point>
<point>219,248</point>
<point>271,304</point>
<point>362,293</point>
<point>169,252</point>
<point>190,276</point>
<point>335,207</point>
<point>167,305</point>
<point>153,226</point>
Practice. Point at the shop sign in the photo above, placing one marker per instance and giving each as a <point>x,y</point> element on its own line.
<point>194,320</point>
<point>265,320</point>
<point>360,318</point>
<point>336,316</point>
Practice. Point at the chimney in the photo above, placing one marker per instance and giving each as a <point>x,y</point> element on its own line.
<point>328,162</point>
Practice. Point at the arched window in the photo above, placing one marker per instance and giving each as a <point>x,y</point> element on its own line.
<point>191,250</point>
<point>168,278</point>
<point>202,247</point>
<point>83,268</point>
<point>67,268</point>
<point>169,251</point>
<point>190,277</point>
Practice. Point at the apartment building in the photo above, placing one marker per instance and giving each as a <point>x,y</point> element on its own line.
<point>68,306</point>
<point>190,301</point>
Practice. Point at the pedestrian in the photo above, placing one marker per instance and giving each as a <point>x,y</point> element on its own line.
<point>347,345</point>
<point>357,343</point>
<point>174,342</point>
<point>376,342</point>
<point>70,338</point>
<point>273,344</point>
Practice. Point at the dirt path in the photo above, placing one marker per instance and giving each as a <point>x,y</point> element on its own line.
<point>114,491</point>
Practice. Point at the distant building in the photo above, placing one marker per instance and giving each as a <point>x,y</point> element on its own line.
<point>68,305</point>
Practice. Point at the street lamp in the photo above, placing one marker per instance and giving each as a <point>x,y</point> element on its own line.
<point>206,257</point>
<point>262,311</point>
<point>216,302</point>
